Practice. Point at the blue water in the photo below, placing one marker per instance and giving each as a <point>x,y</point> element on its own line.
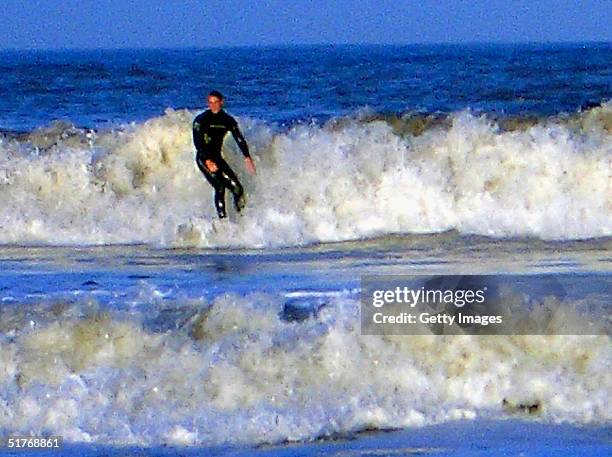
<point>129,317</point>
<point>96,89</point>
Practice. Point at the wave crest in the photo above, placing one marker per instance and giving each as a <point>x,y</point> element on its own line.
<point>349,179</point>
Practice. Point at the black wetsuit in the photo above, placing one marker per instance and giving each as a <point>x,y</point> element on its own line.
<point>209,130</point>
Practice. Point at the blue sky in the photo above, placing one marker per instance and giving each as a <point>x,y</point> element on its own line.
<point>44,24</point>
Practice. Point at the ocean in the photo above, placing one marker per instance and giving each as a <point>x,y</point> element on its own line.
<point>132,321</point>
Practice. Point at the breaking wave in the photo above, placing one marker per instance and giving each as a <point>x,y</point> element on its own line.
<point>240,370</point>
<point>349,179</point>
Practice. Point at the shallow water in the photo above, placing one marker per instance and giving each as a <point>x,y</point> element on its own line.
<point>261,346</point>
<point>479,438</point>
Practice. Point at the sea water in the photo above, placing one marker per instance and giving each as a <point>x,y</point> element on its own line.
<point>130,316</point>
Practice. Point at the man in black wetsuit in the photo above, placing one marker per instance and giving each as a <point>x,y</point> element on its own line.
<point>209,130</point>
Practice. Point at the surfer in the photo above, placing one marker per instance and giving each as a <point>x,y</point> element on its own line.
<point>209,130</point>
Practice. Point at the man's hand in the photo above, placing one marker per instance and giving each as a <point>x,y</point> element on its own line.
<point>250,166</point>
<point>212,166</point>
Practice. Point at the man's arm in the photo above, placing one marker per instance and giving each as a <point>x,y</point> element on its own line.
<point>242,144</point>
<point>197,136</point>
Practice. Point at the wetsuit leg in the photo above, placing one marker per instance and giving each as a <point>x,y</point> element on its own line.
<point>230,180</point>
<point>218,185</point>
<point>220,201</point>
<point>220,179</point>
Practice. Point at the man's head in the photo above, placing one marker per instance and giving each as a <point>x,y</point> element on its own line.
<point>215,101</point>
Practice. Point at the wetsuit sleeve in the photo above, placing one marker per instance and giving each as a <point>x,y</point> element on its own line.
<point>197,134</point>
<point>237,134</point>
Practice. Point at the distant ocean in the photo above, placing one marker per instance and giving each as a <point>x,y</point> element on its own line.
<point>130,316</point>
<point>287,85</point>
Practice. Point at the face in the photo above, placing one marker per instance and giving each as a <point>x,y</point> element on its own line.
<point>215,104</point>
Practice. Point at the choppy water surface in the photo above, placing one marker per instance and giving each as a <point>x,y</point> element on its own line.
<point>129,315</point>
<point>265,346</point>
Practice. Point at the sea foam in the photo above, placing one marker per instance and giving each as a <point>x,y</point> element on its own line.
<point>234,370</point>
<point>316,183</point>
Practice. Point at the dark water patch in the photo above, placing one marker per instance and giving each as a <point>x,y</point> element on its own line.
<point>300,309</point>
<point>138,276</point>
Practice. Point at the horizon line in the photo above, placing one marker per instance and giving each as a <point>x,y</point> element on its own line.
<point>302,45</point>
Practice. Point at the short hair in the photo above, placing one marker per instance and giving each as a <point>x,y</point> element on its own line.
<point>216,93</point>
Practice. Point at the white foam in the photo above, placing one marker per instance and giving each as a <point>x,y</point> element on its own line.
<point>315,184</point>
<point>239,373</point>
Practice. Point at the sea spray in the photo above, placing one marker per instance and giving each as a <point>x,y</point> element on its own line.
<point>345,180</point>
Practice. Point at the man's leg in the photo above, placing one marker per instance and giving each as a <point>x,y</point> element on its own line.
<point>229,179</point>
<point>218,185</point>
<point>220,201</point>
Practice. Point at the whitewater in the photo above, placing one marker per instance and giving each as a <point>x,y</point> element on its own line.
<point>348,179</point>
<point>236,372</point>
<point>148,347</point>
